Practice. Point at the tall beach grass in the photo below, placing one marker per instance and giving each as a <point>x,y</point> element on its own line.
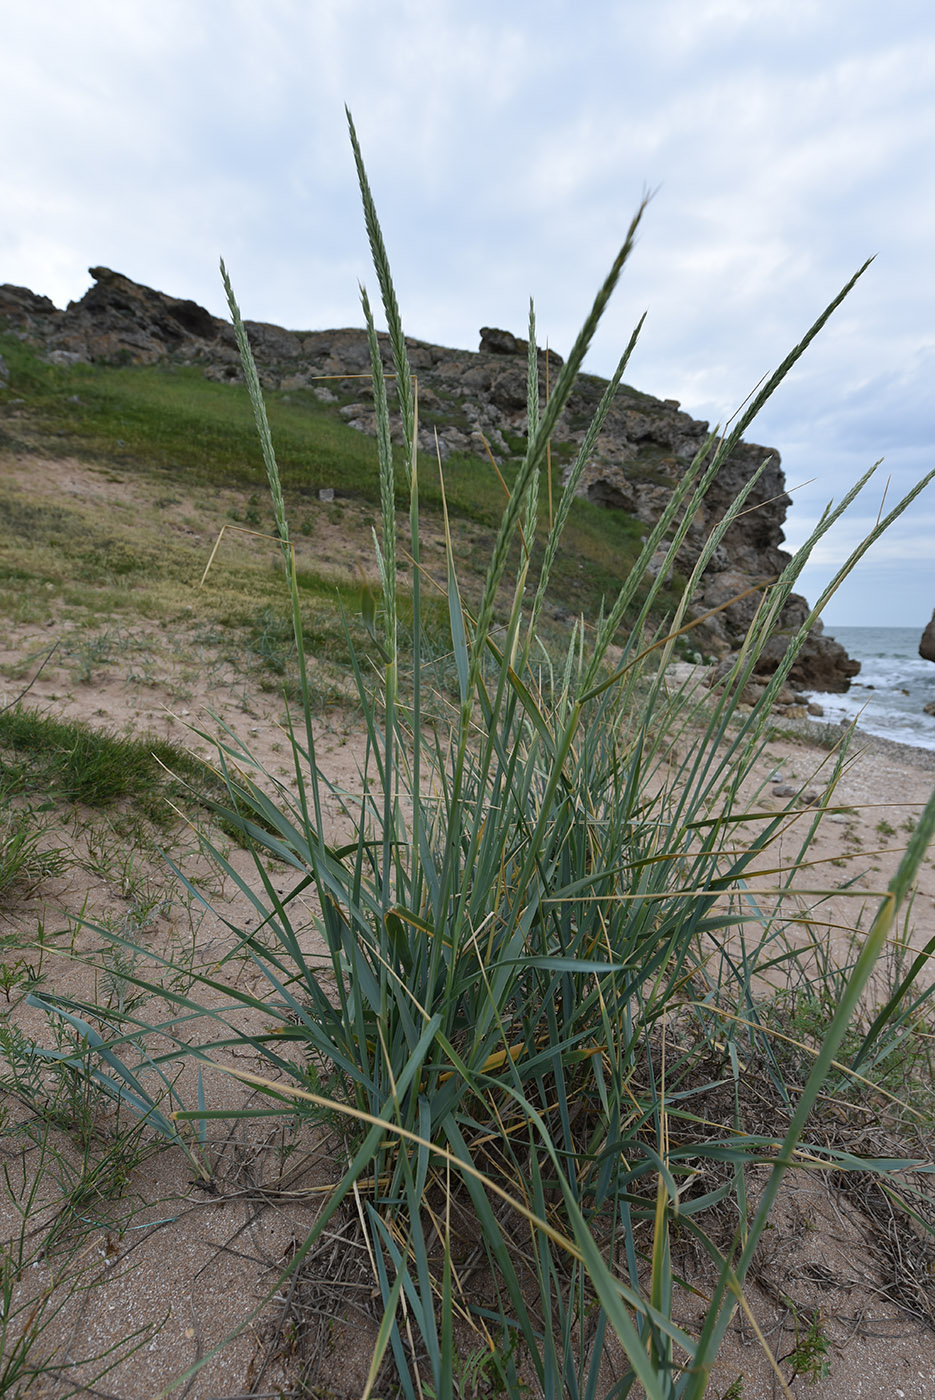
<point>545,919</point>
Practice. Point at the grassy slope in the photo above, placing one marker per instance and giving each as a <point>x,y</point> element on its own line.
<point>187,439</point>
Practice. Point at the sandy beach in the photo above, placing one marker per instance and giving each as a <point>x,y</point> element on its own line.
<point>186,1265</point>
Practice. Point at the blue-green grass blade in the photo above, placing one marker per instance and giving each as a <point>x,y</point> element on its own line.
<point>570,488</point>
<point>387,1328</point>
<point>275,485</point>
<point>536,451</point>
<point>459,642</point>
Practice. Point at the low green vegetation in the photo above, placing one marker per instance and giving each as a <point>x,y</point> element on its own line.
<point>809,1358</point>
<point>51,1131</point>
<point>24,860</point>
<point>73,762</point>
<point>172,421</point>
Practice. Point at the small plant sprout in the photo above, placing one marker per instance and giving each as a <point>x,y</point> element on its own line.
<point>809,1357</point>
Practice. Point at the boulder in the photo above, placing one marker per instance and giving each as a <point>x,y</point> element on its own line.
<point>718,674</point>
<point>613,489</point>
<point>927,642</point>
<point>822,664</point>
<point>271,342</point>
<point>494,341</point>
<point>508,391</point>
<point>121,320</point>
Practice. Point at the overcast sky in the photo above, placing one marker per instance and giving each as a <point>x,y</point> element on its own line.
<point>508,144</point>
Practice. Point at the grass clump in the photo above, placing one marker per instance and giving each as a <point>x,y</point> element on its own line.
<point>25,859</point>
<point>75,762</point>
<point>48,1273</point>
<point>547,922</point>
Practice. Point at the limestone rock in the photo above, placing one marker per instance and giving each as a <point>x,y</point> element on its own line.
<point>611,488</point>
<point>116,320</point>
<point>494,341</point>
<point>822,664</point>
<point>716,677</point>
<point>224,373</point>
<point>24,309</point>
<point>927,643</point>
<point>497,342</point>
<point>272,342</point>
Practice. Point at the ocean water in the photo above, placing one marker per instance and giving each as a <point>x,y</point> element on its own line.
<point>894,684</point>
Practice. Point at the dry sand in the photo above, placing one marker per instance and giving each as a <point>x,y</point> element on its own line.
<point>186,1261</point>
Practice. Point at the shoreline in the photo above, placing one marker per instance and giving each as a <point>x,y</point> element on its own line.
<point>815,734</point>
<point>824,734</point>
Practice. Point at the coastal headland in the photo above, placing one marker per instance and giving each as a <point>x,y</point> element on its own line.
<point>116,493</point>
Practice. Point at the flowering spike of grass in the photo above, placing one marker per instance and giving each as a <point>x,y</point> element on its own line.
<point>532,375</point>
<point>390,305</point>
<point>536,451</point>
<point>259,413</point>
<point>387,552</point>
<point>574,476</point>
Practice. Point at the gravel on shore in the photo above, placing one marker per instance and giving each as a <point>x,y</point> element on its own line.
<point>822,734</point>
<point>905,755</point>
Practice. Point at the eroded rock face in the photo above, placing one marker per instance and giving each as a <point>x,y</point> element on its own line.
<point>927,642</point>
<point>21,307</point>
<point>469,402</point>
<point>116,320</point>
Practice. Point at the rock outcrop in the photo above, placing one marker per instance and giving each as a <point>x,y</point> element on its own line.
<point>494,341</point>
<point>822,665</point>
<point>116,320</point>
<point>927,642</point>
<point>473,401</point>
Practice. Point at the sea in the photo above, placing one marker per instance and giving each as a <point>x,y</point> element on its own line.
<point>888,697</point>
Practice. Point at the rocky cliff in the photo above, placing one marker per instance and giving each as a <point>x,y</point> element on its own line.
<point>469,398</point>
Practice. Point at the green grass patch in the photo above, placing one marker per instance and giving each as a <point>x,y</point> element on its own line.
<point>24,857</point>
<point>170,418</point>
<point>170,421</point>
<point>72,762</point>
